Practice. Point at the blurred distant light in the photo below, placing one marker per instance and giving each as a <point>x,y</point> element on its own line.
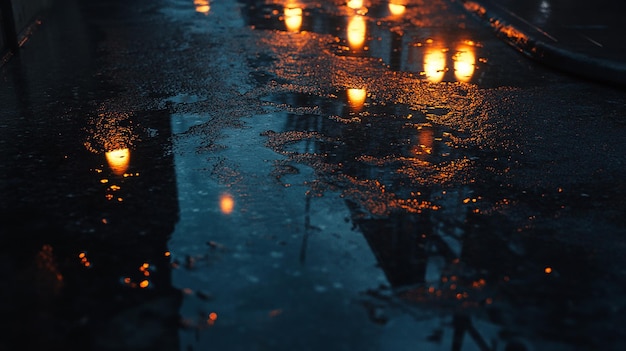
<point>202,6</point>
<point>356,32</point>
<point>434,64</point>
<point>355,4</point>
<point>293,18</point>
<point>227,204</point>
<point>356,98</point>
<point>118,160</point>
<point>464,63</point>
<point>396,9</point>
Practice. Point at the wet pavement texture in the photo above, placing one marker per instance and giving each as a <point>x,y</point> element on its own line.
<point>582,38</point>
<point>276,175</point>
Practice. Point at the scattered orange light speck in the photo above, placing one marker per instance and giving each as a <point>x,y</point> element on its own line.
<point>227,204</point>
<point>127,280</point>
<point>276,312</point>
<point>167,254</point>
<point>202,6</point>
<point>212,316</point>
<point>548,270</point>
<point>104,181</point>
<point>81,255</point>
<point>489,301</point>
<point>144,284</point>
<point>104,221</point>
<point>87,264</point>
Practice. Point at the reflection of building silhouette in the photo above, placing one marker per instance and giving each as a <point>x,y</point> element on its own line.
<point>439,256</point>
<point>81,269</point>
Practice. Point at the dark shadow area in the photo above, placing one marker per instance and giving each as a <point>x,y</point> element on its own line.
<point>88,201</point>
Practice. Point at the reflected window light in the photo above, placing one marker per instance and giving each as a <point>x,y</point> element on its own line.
<point>227,204</point>
<point>202,6</point>
<point>464,63</point>
<point>396,8</point>
<point>293,18</point>
<point>356,32</point>
<point>356,98</point>
<point>355,4</point>
<point>434,64</point>
<point>118,160</point>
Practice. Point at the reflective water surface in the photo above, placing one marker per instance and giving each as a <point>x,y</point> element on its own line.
<point>305,175</point>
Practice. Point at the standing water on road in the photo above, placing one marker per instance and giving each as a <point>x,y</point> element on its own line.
<point>252,175</point>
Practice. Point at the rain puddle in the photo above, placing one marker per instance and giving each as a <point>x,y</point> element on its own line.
<point>384,31</point>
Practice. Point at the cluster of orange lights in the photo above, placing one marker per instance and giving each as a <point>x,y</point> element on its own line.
<point>200,323</point>
<point>143,283</point>
<point>436,61</point>
<point>83,259</point>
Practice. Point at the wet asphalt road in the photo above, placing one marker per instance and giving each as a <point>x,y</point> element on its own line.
<point>179,175</point>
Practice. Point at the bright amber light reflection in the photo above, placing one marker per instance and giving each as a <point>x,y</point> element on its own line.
<point>426,141</point>
<point>356,32</point>
<point>202,6</point>
<point>293,18</point>
<point>227,203</point>
<point>396,9</point>
<point>464,63</point>
<point>434,64</point>
<point>355,4</point>
<point>118,160</point>
<point>356,98</point>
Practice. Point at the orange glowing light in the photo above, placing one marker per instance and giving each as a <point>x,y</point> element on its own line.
<point>356,98</point>
<point>464,63</point>
<point>202,6</point>
<point>434,64</point>
<point>118,160</point>
<point>227,204</point>
<point>144,284</point>
<point>355,4</point>
<point>213,316</point>
<point>426,139</point>
<point>167,254</point>
<point>356,32</point>
<point>396,9</point>
<point>548,270</point>
<point>293,18</point>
